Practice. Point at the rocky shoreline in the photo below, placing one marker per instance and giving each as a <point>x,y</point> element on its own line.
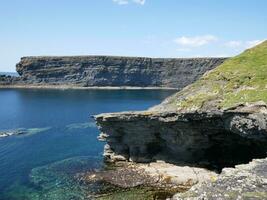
<point>203,137</point>
<point>158,175</point>
<point>218,123</point>
<point>209,142</point>
<point>203,143</point>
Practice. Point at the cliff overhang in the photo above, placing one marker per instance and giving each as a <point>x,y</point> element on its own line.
<point>208,139</point>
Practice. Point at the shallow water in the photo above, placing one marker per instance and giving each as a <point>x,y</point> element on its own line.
<point>59,140</point>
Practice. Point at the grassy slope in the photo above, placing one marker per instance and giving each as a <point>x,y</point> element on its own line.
<point>242,79</point>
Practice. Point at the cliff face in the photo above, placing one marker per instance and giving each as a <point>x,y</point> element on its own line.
<point>87,71</point>
<point>223,111</point>
<point>208,139</point>
<point>218,121</point>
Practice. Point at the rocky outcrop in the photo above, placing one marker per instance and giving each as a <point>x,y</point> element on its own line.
<point>85,71</point>
<point>218,121</point>
<point>193,141</point>
<point>211,139</point>
<point>247,181</point>
<point>221,119</point>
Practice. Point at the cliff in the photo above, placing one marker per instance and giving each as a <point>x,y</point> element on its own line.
<point>86,71</point>
<point>208,139</point>
<point>218,121</point>
<point>227,104</point>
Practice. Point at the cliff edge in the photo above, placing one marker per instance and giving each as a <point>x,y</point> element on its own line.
<point>218,121</point>
<point>110,71</point>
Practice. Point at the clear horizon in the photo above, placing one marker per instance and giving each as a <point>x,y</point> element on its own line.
<point>146,28</point>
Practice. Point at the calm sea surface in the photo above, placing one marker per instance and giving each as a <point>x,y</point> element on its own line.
<point>60,137</point>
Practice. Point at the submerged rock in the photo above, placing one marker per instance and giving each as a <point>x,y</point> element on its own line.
<point>22,131</point>
<point>57,181</point>
<point>84,178</point>
<point>12,132</point>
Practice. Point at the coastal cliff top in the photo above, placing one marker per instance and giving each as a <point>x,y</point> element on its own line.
<point>116,57</point>
<point>238,81</point>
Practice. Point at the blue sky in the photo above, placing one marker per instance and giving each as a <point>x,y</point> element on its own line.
<point>156,28</point>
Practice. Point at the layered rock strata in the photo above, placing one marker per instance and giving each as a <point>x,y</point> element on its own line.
<point>86,71</point>
<point>218,121</point>
<point>209,139</point>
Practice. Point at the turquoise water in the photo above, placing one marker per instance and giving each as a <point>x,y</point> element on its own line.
<point>59,140</point>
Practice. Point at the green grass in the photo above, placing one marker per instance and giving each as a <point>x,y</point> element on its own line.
<point>241,79</point>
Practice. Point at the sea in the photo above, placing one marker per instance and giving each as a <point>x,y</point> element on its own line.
<point>59,138</point>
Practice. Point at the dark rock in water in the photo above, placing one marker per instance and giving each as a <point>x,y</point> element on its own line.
<point>85,71</point>
<point>247,181</point>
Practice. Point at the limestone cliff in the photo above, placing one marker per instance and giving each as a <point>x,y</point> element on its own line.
<point>227,106</point>
<point>87,71</point>
<point>218,121</point>
<point>208,139</point>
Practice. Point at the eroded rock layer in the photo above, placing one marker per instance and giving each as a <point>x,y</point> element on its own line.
<point>214,139</point>
<point>87,71</point>
<point>247,181</point>
<point>218,121</point>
